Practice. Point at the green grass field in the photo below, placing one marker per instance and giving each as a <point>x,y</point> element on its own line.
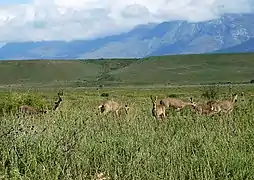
<point>75,143</point>
<point>165,70</point>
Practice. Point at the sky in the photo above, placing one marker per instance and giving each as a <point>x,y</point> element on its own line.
<point>36,20</point>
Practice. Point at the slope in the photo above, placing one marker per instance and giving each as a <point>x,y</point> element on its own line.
<point>247,46</point>
<point>188,69</point>
<point>162,70</point>
<point>55,72</point>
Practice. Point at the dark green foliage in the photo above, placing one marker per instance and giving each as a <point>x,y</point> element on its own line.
<point>105,95</point>
<point>172,95</point>
<point>210,92</point>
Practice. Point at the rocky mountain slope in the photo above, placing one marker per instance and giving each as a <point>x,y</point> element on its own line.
<point>247,46</point>
<point>174,37</point>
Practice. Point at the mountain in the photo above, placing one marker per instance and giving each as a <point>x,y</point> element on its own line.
<point>174,37</point>
<point>247,46</point>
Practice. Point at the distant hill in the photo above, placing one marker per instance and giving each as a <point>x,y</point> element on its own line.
<point>174,37</point>
<point>162,70</point>
<point>247,46</point>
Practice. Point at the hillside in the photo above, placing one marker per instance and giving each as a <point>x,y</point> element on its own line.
<point>247,46</point>
<point>189,69</point>
<point>174,37</point>
<point>164,70</point>
<point>56,72</point>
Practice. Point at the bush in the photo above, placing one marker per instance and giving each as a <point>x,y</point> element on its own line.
<point>13,101</point>
<point>172,95</point>
<point>105,94</point>
<point>210,92</point>
<point>252,81</point>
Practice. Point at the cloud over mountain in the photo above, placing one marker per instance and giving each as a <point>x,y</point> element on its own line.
<point>85,19</point>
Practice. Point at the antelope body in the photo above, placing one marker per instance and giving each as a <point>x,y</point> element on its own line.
<point>158,110</point>
<point>225,106</point>
<point>174,103</point>
<point>112,106</point>
<point>202,108</point>
<point>26,109</point>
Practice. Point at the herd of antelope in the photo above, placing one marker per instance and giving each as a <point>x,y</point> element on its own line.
<point>208,108</point>
<point>159,109</point>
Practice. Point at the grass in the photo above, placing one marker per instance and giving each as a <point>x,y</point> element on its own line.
<point>75,143</point>
<point>189,69</point>
<point>165,70</point>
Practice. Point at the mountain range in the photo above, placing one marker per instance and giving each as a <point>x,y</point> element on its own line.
<point>229,33</point>
<point>246,46</point>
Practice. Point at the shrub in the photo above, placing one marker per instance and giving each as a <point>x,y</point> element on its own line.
<point>13,101</point>
<point>210,92</point>
<point>105,94</point>
<point>172,95</point>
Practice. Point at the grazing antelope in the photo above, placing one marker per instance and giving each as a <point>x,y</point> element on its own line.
<point>29,110</point>
<point>174,103</point>
<point>158,110</point>
<point>225,106</point>
<point>112,106</point>
<point>202,108</point>
<point>26,109</point>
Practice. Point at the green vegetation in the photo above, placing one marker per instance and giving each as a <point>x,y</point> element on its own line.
<point>165,70</point>
<point>75,143</point>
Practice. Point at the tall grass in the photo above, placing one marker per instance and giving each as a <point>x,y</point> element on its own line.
<point>75,143</point>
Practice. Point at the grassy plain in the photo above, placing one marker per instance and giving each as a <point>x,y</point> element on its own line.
<point>164,70</point>
<point>75,143</point>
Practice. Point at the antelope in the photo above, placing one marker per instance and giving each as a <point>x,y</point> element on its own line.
<point>30,110</point>
<point>202,108</point>
<point>158,110</point>
<point>225,106</point>
<point>26,109</point>
<point>101,176</point>
<point>57,103</point>
<point>174,103</point>
<point>112,106</point>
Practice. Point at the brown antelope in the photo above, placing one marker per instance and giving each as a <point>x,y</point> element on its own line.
<point>225,106</point>
<point>202,108</point>
<point>158,110</point>
<point>30,110</point>
<point>26,109</point>
<point>174,103</point>
<point>101,176</point>
<point>112,106</point>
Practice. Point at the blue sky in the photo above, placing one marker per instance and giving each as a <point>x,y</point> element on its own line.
<point>14,2</point>
<point>35,20</point>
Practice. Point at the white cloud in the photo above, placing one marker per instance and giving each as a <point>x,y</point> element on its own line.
<point>84,19</point>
